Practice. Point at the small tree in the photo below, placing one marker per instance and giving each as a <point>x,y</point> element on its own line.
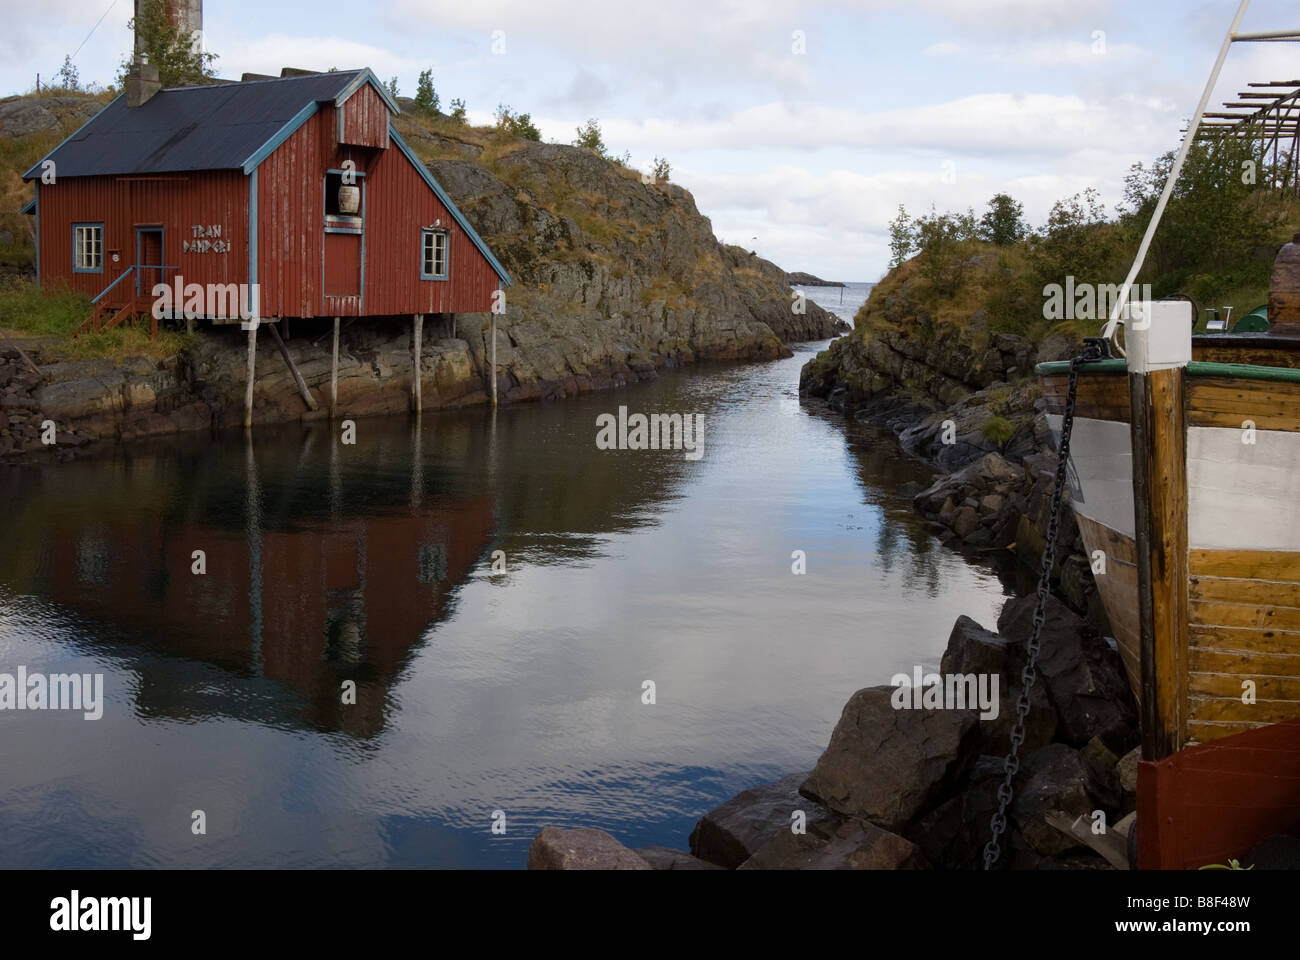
<point>426,98</point>
<point>589,136</point>
<point>179,60</point>
<point>516,124</point>
<point>1072,242</point>
<point>940,237</point>
<point>902,237</point>
<point>67,76</point>
<point>458,111</point>
<point>392,86</point>
<point>1004,222</point>
<point>661,169</point>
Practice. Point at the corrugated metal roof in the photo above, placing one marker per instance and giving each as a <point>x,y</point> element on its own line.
<point>213,127</point>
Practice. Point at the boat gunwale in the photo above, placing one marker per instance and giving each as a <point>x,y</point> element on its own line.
<point>1195,368</point>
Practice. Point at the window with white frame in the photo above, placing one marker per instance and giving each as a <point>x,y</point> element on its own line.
<point>88,247</point>
<point>433,264</point>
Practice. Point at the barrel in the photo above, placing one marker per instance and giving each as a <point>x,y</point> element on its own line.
<point>1284,290</point>
<point>349,199</point>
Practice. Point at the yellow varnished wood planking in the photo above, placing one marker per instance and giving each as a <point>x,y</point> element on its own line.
<point>1246,564</point>
<point>1244,638</point>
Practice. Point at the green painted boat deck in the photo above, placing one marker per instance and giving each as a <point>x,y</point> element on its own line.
<point>1197,368</point>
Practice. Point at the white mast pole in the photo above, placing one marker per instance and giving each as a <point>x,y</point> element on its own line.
<point>1109,332</point>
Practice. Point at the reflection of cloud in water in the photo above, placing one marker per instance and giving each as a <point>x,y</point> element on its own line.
<point>475,691</point>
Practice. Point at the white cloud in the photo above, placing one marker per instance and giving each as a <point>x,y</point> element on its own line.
<point>270,53</point>
<point>945,49</point>
<point>1003,124</point>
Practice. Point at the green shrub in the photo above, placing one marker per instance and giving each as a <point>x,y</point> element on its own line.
<point>998,430</point>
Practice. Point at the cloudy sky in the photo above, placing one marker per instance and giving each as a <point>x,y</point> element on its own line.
<point>799,126</point>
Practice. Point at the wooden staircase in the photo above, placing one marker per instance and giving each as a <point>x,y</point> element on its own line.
<point>113,306</point>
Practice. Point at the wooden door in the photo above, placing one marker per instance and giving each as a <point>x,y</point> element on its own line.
<point>342,280</point>
<point>148,259</point>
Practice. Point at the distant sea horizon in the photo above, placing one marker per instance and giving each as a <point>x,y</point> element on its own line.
<point>842,301</point>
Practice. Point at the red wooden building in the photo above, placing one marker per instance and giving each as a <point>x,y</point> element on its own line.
<point>297,187</point>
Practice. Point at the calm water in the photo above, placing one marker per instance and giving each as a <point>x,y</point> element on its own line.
<point>842,301</point>
<point>476,692</point>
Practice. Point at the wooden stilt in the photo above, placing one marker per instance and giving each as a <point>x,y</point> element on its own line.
<point>307,398</point>
<point>334,373</point>
<point>26,359</point>
<point>252,362</point>
<point>417,333</point>
<point>492,361</point>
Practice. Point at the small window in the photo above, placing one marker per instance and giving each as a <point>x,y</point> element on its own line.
<point>88,247</point>
<point>433,264</point>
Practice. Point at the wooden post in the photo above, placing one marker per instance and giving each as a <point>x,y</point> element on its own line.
<point>334,373</point>
<point>307,398</point>
<point>1157,360</point>
<point>252,362</point>
<point>26,359</point>
<point>492,362</point>
<point>417,332</point>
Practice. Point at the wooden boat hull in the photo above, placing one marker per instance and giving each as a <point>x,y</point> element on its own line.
<point>1243,521</point>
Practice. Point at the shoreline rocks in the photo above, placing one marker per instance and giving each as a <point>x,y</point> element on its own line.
<point>103,400</point>
<point>903,789</point>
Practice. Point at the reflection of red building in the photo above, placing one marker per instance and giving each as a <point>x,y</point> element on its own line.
<point>301,609</point>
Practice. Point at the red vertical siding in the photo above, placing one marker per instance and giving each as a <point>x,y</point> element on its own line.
<point>365,119</point>
<point>176,202</point>
<point>291,222</point>
<point>397,203</point>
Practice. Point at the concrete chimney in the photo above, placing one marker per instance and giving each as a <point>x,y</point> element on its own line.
<point>186,14</point>
<point>141,83</point>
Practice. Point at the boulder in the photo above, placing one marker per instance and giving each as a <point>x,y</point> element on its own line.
<point>666,858</point>
<point>992,471</point>
<point>1083,675</point>
<point>729,835</point>
<point>581,849</point>
<point>974,650</point>
<point>965,522</point>
<point>953,835</point>
<point>1127,772</point>
<point>836,843</point>
<point>887,765</point>
<point>1055,778</point>
<point>1103,776</point>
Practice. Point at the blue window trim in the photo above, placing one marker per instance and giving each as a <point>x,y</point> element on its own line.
<point>162,245</point>
<point>88,223</point>
<point>425,232</point>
